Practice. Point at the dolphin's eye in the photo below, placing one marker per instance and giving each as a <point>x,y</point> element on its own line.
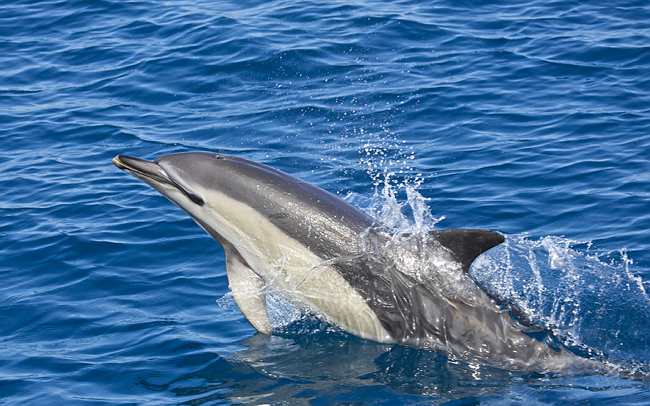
<point>217,156</point>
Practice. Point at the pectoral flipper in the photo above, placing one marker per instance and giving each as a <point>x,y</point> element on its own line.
<point>248,289</point>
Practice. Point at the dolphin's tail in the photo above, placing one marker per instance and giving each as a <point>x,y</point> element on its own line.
<point>576,365</point>
<point>637,372</point>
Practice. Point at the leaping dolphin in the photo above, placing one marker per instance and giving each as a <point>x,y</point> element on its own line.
<point>323,253</point>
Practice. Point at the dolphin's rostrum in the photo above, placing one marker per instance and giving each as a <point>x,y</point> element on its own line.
<point>336,261</point>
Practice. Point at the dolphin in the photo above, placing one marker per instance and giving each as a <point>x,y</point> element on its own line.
<point>280,232</point>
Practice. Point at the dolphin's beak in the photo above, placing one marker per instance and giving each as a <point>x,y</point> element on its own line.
<point>142,168</point>
<point>152,173</point>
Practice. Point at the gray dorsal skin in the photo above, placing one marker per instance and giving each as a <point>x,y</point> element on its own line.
<point>281,231</point>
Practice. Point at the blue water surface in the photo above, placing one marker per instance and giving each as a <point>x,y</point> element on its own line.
<point>530,117</point>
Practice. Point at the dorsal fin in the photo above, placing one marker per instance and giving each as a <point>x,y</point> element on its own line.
<point>467,244</point>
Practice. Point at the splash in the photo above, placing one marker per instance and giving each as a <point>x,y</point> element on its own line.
<point>283,313</point>
<point>590,299</point>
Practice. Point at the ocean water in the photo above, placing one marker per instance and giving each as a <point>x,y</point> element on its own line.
<point>528,117</point>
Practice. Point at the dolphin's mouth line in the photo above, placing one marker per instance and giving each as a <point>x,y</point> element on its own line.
<point>152,171</point>
<point>126,163</point>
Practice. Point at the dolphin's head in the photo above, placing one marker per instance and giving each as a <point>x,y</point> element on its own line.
<point>201,183</point>
<point>175,176</point>
<point>232,198</point>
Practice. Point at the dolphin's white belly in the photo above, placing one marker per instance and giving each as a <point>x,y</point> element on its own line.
<point>292,269</point>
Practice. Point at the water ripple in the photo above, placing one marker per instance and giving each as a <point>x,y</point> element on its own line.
<point>524,116</point>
